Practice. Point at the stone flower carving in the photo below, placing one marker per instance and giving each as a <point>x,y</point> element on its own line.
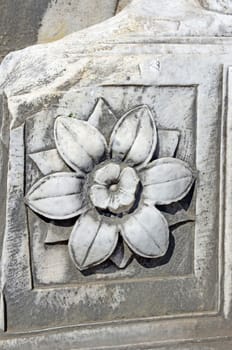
<point>114,189</point>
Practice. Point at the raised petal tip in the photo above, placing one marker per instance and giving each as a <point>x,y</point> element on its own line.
<point>92,240</point>
<point>58,196</point>
<point>166,180</point>
<point>80,144</point>
<point>134,137</point>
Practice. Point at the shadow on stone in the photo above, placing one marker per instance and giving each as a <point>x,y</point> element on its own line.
<point>151,263</point>
<point>105,268</point>
<point>61,223</point>
<point>185,203</point>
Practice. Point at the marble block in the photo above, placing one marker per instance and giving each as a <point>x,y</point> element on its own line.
<point>116,180</point>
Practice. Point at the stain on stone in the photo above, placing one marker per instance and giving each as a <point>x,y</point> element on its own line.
<point>27,22</point>
<point>63,18</point>
<point>20,21</point>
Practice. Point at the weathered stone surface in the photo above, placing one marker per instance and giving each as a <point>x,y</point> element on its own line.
<point>20,22</point>
<point>223,6</point>
<point>126,270</point>
<point>62,18</point>
<point>48,20</point>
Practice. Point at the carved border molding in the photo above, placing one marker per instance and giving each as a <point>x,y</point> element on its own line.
<point>207,326</point>
<point>17,153</point>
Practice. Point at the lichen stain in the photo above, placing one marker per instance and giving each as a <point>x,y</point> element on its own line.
<point>91,294</point>
<point>118,296</point>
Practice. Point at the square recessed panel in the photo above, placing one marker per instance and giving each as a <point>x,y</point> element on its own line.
<point>174,107</point>
<point>185,98</point>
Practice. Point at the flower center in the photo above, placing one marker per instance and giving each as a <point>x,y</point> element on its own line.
<point>114,188</point>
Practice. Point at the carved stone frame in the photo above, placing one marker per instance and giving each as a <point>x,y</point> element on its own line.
<point>211,319</point>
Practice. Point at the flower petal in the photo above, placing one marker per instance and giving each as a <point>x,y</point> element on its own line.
<point>134,137</point>
<point>123,198</point>
<point>103,118</point>
<point>107,174</point>
<point>100,196</point>
<point>128,180</point>
<point>120,201</point>
<point>80,144</point>
<point>166,180</point>
<point>122,255</point>
<point>58,196</point>
<point>53,236</point>
<point>48,162</point>
<point>146,232</point>
<point>168,142</point>
<point>92,241</point>
<point>182,216</point>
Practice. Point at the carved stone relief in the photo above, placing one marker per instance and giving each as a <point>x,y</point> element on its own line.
<point>116,142</point>
<point>172,140</point>
<point>114,188</point>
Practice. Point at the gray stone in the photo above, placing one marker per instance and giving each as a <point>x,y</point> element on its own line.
<point>27,22</point>
<point>131,120</point>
